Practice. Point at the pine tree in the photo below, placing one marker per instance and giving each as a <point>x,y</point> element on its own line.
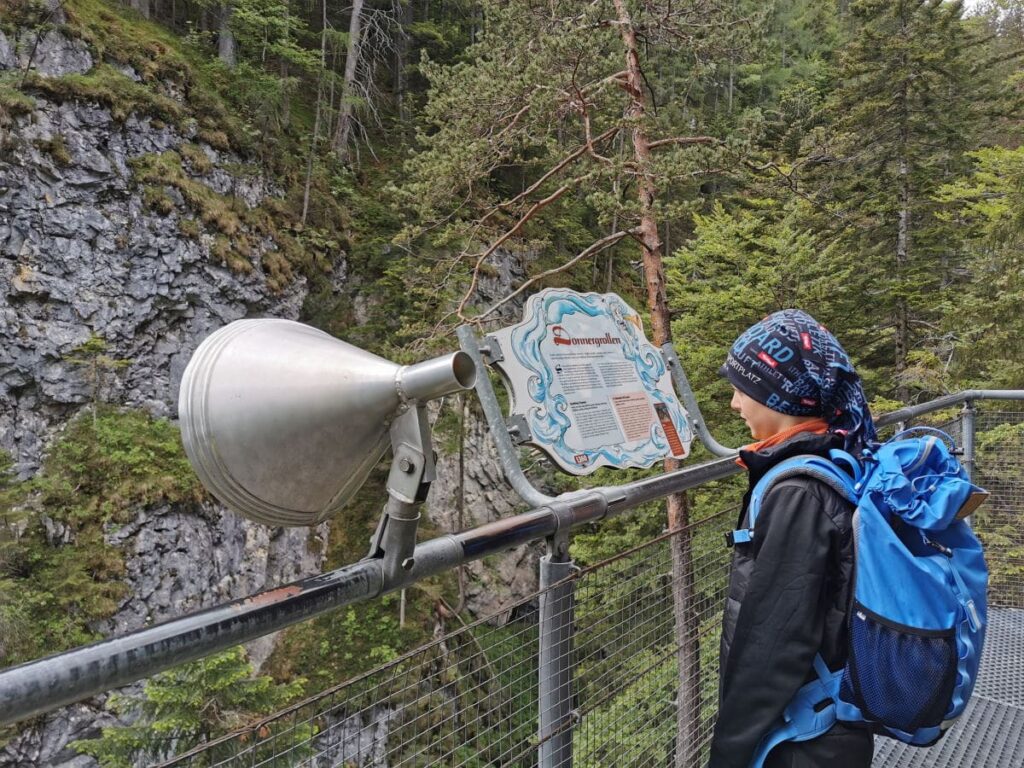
<point>549,138</point>
<point>987,205</point>
<point>901,121</point>
<point>191,704</point>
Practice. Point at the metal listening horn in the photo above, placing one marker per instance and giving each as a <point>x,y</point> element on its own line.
<point>283,422</point>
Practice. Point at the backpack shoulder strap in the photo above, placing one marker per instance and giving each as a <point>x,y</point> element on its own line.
<point>805,465</point>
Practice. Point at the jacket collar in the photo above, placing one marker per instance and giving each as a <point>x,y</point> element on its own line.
<point>759,462</point>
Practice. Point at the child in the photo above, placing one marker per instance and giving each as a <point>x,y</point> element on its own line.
<point>789,588</point>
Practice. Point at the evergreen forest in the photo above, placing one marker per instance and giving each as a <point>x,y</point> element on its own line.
<point>711,161</point>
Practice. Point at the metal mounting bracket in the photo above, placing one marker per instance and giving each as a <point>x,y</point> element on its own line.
<point>412,471</point>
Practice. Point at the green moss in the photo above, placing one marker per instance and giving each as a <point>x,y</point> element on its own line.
<point>102,471</point>
<point>54,588</point>
<point>57,149</point>
<point>279,271</point>
<point>13,101</point>
<point>157,199</point>
<point>114,90</point>
<point>16,15</point>
<point>227,253</point>
<point>197,158</point>
<point>235,226</point>
<point>189,228</point>
<point>219,212</point>
<point>225,108</point>
<point>113,34</point>
<point>215,138</point>
<point>156,54</point>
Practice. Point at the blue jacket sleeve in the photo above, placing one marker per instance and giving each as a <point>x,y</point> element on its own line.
<point>780,624</point>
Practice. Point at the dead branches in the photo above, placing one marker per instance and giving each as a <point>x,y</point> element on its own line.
<point>590,250</point>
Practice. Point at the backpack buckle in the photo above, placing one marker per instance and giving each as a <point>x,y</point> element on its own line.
<point>741,536</point>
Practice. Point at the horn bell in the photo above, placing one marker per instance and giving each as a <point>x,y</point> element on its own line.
<point>283,422</point>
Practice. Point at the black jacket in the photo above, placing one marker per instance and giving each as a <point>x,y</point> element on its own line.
<point>789,590</point>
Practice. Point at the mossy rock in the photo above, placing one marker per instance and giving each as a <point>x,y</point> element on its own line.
<point>102,469</point>
<point>111,88</point>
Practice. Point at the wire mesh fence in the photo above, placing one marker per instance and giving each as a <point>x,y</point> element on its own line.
<point>643,656</point>
<point>990,733</point>
<point>999,468</point>
<point>647,690</point>
<point>470,698</point>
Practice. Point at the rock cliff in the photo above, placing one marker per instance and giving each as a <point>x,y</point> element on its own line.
<point>84,255</point>
<point>110,230</point>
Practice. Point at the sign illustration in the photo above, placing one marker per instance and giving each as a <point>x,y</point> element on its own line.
<point>591,389</point>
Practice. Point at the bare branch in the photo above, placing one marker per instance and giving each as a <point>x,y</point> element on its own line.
<point>508,234</point>
<point>567,160</point>
<point>590,250</point>
<point>511,123</point>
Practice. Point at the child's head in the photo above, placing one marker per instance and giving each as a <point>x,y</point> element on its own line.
<point>791,365</point>
<point>761,420</point>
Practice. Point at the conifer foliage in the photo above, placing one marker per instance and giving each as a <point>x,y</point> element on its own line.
<point>190,705</point>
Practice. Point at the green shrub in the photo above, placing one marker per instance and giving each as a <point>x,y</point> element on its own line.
<point>192,704</point>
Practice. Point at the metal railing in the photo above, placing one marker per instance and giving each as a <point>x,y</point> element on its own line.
<point>608,669</point>
<point>472,697</point>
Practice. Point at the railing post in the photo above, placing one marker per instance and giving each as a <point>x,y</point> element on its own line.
<point>554,691</point>
<point>967,416</point>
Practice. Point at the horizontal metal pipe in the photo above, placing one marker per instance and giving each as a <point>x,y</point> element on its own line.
<point>54,681</point>
<point>948,401</point>
<point>51,682</point>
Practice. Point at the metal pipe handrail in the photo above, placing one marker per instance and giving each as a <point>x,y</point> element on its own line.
<point>947,401</point>
<point>685,391</point>
<point>44,684</point>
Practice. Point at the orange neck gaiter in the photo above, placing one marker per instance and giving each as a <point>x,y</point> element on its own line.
<point>815,426</point>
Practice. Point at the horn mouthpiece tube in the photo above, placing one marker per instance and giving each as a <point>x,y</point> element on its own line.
<point>436,378</point>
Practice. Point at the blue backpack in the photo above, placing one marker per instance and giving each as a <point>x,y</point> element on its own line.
<point>917,621</point>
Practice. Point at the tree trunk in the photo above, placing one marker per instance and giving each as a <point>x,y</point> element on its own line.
<point>901,319</point>
<point>319,109</point>
<point>401,78</point>
<point>225,37</point>
<point>688,655</point>
<point>902,340</point>
<point>142,6</point>
<point>343,131</point>
<point>286,99</point>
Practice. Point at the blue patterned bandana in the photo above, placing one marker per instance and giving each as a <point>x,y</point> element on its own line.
<point>792,364</point>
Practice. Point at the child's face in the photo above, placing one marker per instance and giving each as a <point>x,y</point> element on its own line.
<point>762,421</point>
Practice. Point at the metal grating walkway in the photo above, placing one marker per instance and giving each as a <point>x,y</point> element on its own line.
<point>991,732</point>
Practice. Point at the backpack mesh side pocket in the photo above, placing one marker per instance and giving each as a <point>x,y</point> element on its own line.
<point>899,676</point>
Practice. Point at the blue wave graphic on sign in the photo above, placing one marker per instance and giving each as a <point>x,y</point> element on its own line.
<point>548,413</point>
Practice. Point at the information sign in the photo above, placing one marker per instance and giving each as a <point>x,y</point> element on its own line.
<point>587,384</point>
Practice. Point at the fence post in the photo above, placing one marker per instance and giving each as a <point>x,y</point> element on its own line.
<point>967,416</point>
<point>554,691</point>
